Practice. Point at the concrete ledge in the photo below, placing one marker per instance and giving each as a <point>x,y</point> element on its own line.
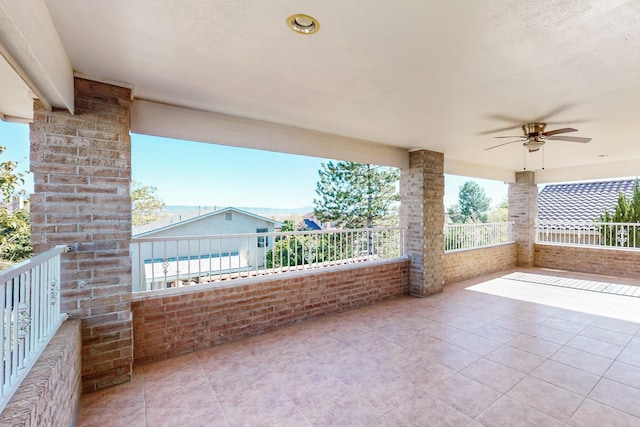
<point>50,393</point>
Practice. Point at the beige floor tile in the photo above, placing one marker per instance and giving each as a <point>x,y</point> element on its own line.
<point>567,377</point>
<point>424,410</point>
<point>582,360</point>
<point>507,412</point>
<point>617,395</point>
<point>514,324</point>
<point>466,395</point>
<point>100,416</point>
<point>592,413</point>
<point>617,338</point>
<point>516,359</point>
<point>624,373</point>
<point>564,325</point>
<point>496,333</point>
<point>630,356</point>
<point>550,334</point>
<point>595,346</point>
<point>535,346</point>
<point>546,398</point>
<point>630,328</point>
<point>493,375</point>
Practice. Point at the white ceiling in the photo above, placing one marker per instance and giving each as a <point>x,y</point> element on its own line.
<point>438,75</point>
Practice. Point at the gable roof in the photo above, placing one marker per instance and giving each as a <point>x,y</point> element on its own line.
<point>582,201</point>
<point>195,215</point>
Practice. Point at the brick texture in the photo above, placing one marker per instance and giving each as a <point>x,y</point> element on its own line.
<point>169,325</point>
<point>463,265</point>
<point>82,168</point>
<point>50,393</point>
<point>523,211</point>
<point>610,262</point>
<point>422,212</point>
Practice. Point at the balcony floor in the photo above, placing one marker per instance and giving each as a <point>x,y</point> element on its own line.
<point>494,351</point>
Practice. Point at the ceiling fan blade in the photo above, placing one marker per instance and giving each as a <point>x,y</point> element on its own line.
<point>500,145</point>
<point>570,139</point>
<point>487,132</point>
<point>511,136</point>
<point>557,131</point>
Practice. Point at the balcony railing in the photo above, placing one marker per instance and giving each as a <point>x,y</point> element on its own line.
<point>30,303</point>
<point>476,235</point>
<point>161,263</point>
<point>589,233</point>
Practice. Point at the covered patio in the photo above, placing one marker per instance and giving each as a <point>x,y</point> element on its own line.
<point>520,347</point>
<point>421,86</point>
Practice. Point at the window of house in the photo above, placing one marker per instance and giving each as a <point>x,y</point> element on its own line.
<point>228,216</point>
<point>262,241</point>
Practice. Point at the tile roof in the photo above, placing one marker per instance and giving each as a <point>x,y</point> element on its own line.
<point>582,201</point>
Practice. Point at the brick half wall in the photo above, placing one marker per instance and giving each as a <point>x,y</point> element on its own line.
<point>50,393</point>
<point>463,265</point>
<point>610,262</point>
<point>169,325</point>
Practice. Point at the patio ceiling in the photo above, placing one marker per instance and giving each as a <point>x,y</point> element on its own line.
<point>413,75</point>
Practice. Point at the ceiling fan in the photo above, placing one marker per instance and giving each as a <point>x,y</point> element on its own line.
<point>534,137</point>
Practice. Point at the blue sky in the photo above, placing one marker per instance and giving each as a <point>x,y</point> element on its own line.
<point>190,173</point>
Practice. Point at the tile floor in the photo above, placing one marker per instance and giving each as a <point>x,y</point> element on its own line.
<point>494,351</point>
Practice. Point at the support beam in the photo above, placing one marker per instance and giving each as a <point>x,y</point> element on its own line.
<point>30,43</point>
<point>152,118</point>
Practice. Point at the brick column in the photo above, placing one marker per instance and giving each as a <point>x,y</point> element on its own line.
<point>422,212</point>
<point>523,211</point>
<point>82,170</point>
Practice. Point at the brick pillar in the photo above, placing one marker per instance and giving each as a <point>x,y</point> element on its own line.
<point>422,212</point>
<point>523,211</point>
<point>82,170</point>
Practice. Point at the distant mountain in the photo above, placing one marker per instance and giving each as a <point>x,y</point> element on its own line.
<point>177,209</point>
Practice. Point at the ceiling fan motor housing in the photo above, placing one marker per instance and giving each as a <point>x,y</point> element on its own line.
<point>531,129</point>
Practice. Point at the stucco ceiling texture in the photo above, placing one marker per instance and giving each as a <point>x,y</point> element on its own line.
<point>439,75</point>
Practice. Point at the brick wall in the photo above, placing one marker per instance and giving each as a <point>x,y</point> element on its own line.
<point>169,325</point>
<point>82,169</point>
<point>463,265</point>
<point>611,262</point>
<point>50,393</point>
<point>422,212</point>
<point>523,211</point>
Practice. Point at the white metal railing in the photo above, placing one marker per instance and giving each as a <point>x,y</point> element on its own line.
<point>476,235</point>
<point>30,303</point>
<point>589,233</point>
<point>161,263</point>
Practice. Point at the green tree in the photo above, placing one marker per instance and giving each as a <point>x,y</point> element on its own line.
<point>15,227</point>
<point>147,205</point>
<point>288,225</point>
<point>356,195</point>
<point>472,206</point>
<point>625,211</point>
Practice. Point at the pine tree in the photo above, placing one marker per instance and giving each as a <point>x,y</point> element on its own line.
<point>625,211</point>
<point>356,195</point>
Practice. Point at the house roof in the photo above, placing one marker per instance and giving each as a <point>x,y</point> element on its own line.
<point>582,201</point>
<point>195,215</point>
<point>312,224</point>
<point>378,77</point>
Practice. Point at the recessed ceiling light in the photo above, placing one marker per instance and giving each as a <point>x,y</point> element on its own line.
<point>303,24</point>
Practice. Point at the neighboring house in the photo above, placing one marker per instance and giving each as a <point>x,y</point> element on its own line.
<point>312,225</point>
<point>583,201</point>
<point>311,222</point>
<point>164,261</point>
